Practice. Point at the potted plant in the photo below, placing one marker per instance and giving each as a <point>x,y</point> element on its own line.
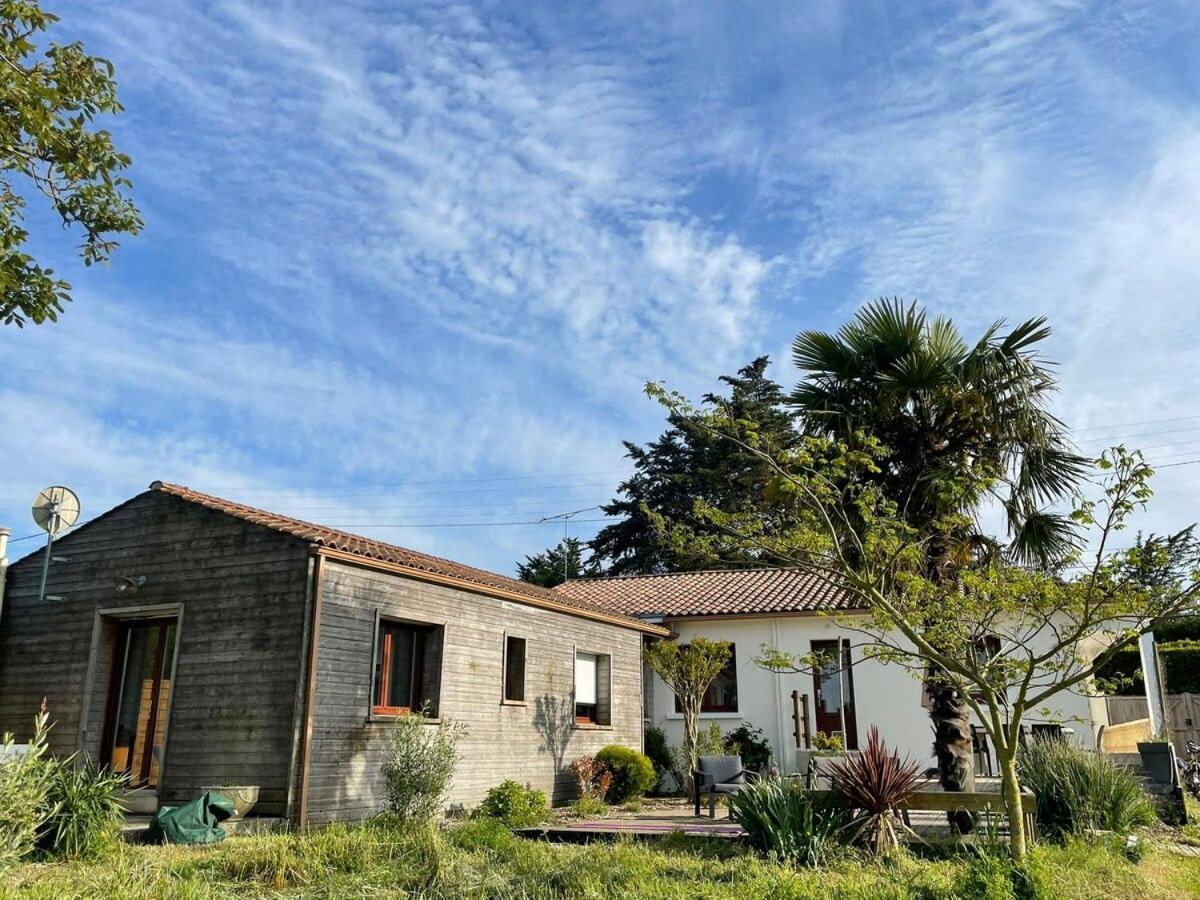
<point>243,797</point>
<point>1158,757</point>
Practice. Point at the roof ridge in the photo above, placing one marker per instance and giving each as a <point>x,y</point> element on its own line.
<point>633,576</point>
<point>315,533</point>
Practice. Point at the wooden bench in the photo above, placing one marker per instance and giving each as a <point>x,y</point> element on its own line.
<point>945,801</point>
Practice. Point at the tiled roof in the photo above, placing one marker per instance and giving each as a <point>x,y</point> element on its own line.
<point>368,549</point>
<point>729,592</point>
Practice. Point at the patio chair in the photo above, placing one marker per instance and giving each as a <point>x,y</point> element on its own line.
<point>718,775</point>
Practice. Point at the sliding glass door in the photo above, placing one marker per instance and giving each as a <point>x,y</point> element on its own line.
<point>136,729</point>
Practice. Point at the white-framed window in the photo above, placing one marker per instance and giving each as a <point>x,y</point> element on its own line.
<point>593,688</point>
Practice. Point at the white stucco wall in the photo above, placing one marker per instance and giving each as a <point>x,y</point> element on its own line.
<point>886,696</point>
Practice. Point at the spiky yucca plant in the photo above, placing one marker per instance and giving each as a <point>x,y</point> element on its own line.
<point>876,782</point>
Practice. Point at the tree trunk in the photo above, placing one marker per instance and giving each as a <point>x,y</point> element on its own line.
<point>953,747</point>
<point>691,736</point>
<point>1010,790</point>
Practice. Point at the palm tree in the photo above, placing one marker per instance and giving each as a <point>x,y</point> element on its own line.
<point>964,425</point>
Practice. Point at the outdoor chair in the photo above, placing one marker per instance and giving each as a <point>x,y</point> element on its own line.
<point>718,775</point>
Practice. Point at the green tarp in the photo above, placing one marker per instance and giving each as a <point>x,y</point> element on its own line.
<point>195,822</point>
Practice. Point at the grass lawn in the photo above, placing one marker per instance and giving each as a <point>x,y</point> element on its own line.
<point>482,859</point>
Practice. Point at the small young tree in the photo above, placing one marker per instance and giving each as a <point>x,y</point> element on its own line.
<point>688,670</point>
<point>1007,638</point>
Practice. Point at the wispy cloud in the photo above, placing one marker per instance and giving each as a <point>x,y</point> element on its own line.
<point>410,242</point>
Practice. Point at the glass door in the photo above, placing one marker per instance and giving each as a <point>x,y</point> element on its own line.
<point>833,682</point>
<point>137,713</point>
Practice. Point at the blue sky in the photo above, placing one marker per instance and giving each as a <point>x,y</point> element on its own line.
<point>407,266</point>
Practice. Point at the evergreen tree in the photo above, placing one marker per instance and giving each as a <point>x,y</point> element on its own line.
<point>686,464</point>
<point>557,564</point>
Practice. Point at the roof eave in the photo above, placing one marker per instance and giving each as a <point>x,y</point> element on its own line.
<point>380,565</point>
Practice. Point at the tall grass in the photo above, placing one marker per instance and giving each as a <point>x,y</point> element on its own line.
<point>1079,791</point>
<point>482,859</point>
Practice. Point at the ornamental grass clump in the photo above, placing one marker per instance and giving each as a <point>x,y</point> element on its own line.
<point>1079,791</point>
<point>785,822</point>
<point>876,783</point>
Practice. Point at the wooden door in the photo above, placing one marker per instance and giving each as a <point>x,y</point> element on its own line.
<point>135,730</point>
<point>833,693</point>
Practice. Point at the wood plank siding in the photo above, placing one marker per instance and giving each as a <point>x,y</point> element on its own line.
<point>241,590</point>
<point>530,743</point>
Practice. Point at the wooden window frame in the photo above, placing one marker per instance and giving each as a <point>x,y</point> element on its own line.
<point>383,645</point>
<point>504,698</point>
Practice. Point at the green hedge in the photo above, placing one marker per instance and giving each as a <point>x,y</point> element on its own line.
<point>1181,668</point>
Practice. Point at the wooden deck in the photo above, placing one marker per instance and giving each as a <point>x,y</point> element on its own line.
<point>662,817</point>
<point>650,825</point>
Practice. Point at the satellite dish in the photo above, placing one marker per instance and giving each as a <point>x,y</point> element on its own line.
<point>55,509</point>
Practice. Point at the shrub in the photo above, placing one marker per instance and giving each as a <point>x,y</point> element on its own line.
<point>24,790</point>
<point>876,782</point>
<point>827,744</point>
<point>593,778</point>
<point>662,755</point>
<point>419,765</point>
<point>1079,791</point>
<point>514,805</point>
<point>751,745</point>
<point>589,806</point>
<point>782,820</point>
<point>709,741</point>
<point>85,810</point>
<point>632,773</point>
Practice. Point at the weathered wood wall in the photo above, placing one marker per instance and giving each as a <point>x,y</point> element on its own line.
<point>531,743</point>
<point>242,588</point>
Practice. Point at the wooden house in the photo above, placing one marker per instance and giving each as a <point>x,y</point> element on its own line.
<point>191,641</point>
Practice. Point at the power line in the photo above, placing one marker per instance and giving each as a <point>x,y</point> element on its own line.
<point>1125,437</point>
<point>1136,424</point>
<point>1187,462</point>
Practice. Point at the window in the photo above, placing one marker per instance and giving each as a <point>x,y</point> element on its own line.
<point>721,695</point>
<point>986,649</point>
<point>407,667</point>
<point>514,669</point>
<point>592,689</point>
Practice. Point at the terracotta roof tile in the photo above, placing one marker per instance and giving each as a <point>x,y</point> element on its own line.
<point>370,549</point>
<point>729,592</point>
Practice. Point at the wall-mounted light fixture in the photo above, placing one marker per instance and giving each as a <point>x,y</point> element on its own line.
<point>130,584</point>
